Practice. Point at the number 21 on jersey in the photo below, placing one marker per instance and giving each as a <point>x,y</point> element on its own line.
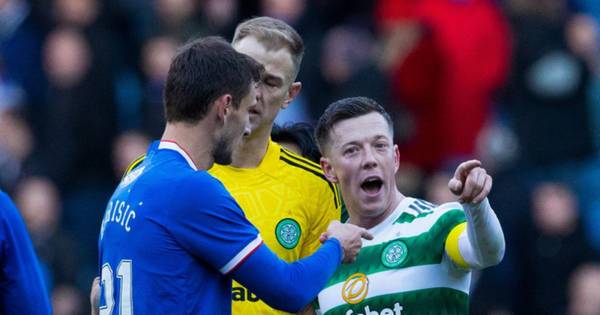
<point>125,295</point>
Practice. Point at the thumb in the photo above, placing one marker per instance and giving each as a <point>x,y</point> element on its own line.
<point>323,237</point>
<point>366,235</point>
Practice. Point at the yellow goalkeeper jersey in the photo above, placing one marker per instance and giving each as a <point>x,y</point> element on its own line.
<point>290,201</point>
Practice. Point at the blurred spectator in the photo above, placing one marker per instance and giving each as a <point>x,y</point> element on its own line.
<point>444,78</point>
<point>177,18</point>
<point>582,39</point>
<point>497,147</point>
<point>81,125</point>
<point>349,70</point>
<point>583,35</point>
<point>156,59</point>
<point>67,58</point>
<point>584,290</point>
<point>289,11</point>
<point>39,202</point>
<point>550,250</point>
<point>220,16</point>
<point>16,144</point>
<point>127,147</point>
<point>81,119</point>
<point>551,72</point>
<point>67,300</point>
<point>111,61</point>
<point>553,64</point>
<point>11,93</point>
<point>77,13</point>
<point>85,17</point>
<point>20,51</point>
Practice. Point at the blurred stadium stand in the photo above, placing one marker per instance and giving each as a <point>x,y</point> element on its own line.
<point>514,83</point>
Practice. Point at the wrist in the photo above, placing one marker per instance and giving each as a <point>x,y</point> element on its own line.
<point>472,207</point>
<point>338,244</point>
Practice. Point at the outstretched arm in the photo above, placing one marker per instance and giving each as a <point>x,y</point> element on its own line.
<point>479,242</point>
<point>291,286</point>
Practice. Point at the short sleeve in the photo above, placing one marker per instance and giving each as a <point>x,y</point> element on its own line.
<point>210,224</point>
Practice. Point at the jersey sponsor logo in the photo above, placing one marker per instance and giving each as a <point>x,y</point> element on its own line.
<point>394,254</point>
<point>241,294</point>
<point>355,288</point>
<point>397,310</point>
<point>288,233</point>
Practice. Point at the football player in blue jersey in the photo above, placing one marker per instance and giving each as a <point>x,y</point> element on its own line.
<point>172,237</point>
<point>22,289</point>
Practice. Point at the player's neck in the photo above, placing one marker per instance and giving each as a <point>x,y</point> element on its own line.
<point>370,222</point>
<point>194,140</point>
<point>252,149</point>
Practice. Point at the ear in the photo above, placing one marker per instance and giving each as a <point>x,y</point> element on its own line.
<point>328,170</point>
<point>396,158</point>
<point>222,107</point>
<point>292,93</point>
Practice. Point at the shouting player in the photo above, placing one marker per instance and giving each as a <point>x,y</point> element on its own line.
<point>421,257</point>
<point>172,237</point>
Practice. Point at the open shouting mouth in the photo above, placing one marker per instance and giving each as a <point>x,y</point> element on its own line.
<point>372,185</point>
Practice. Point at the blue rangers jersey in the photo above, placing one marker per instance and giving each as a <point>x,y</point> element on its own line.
<point>170,235</point>
<point>21,285</point>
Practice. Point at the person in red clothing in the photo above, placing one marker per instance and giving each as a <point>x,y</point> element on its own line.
<point>445,59</point>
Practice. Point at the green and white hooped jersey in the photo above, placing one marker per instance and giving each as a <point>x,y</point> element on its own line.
<point>404,269</point>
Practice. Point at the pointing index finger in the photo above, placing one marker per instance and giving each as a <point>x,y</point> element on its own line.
<point>462,171</point>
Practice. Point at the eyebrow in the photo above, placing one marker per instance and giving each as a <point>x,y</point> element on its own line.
<point>377,137</point>
<point>349,143</point>
<point>381,137</point>
<point>268,77</point>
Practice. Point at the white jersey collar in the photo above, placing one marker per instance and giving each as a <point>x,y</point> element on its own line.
<point>172,145</point>
<point>392,217</point>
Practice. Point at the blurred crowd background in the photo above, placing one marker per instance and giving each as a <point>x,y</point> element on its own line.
<point>515,83</point>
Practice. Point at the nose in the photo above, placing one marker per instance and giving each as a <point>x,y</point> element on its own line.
<point>247,130</point>
<point>258,92</point>
<point>369,160</point>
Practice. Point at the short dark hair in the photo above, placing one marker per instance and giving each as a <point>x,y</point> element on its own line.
<point>345,109</point>
<point>202,71</point>
<point>301,134</point>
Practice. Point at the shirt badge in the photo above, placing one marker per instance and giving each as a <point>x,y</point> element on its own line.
<point>288,233</point>
<point>394,254</point>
